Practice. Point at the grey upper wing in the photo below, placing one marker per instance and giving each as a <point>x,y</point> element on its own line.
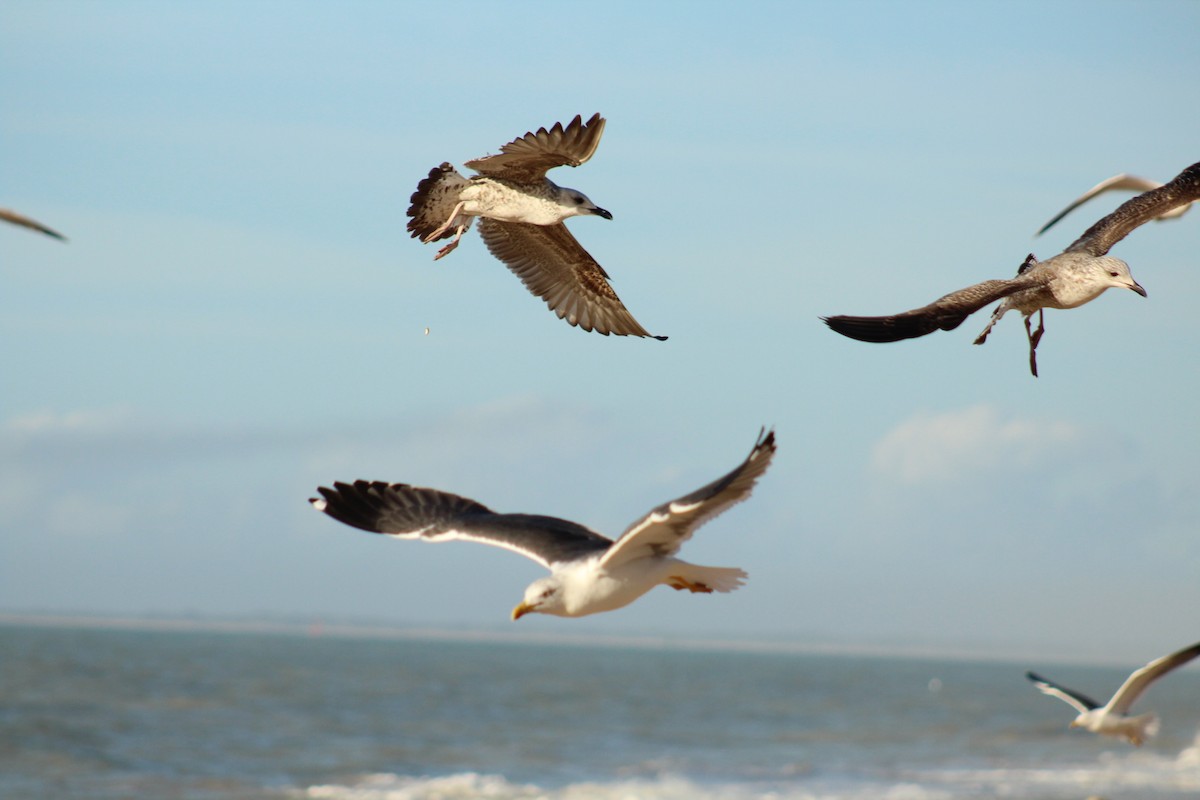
<point>1137,683</point>
<point>663,530</point>
<point>946,313</point>
<point>412,512</point>
<point>1182,189</point>
<point>1124,181</point>
<point>529,157</point>
<point>555,267</point>
<point>1080,702</point>
<point>8,215</point>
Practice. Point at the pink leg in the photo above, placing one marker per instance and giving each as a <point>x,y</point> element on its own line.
<point>445,226</point>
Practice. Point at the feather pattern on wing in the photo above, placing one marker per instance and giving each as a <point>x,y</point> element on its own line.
<point>664,529</point>
<point>1141,679</point>
<point>1080,702</point>
<point>413,512</point>
<point>1100,238</point>
<point>946,313</point>
<point>555,267</point>
<point>528,158</point>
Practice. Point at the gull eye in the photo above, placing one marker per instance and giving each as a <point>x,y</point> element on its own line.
<point>578,201</point>
<point>1113,274</point>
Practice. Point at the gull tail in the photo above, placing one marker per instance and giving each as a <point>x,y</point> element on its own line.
<point>1140,728</point>
<point>433,204</point>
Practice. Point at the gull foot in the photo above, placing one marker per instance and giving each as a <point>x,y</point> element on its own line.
<point>679,584</point>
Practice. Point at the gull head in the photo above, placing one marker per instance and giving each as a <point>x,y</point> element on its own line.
<point>543,596</point>
<point>576,203</point>
<point>1118,275</point>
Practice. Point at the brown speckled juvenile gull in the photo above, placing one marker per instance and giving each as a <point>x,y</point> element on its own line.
<point>589,573</point>
<point>521,215</point>
<point>1075,276</point>
<point>1122,182</point>
<point>1112,718</point>
<point>8,215</point>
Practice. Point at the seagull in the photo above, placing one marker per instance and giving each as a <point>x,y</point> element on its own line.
<point>1124,181</point>
<point>1112,718</point>
<point>1075,276</point>
<point>9,215</point>
<point>521,215</point>
<point>589,573</point>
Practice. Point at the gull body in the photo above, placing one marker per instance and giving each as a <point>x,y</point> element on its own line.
<point>1113,718</point>
<point>521,214</point>
<point>589,573</point>
<point>1078,275</point>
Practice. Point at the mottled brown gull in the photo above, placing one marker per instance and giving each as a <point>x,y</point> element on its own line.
<point>1078,275</point>
<point>1122,182</point>
<point>521,215</point>
<point>589,573</point>
<point>1112,718</point>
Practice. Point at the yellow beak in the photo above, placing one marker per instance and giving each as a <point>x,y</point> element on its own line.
<point>521,610</point>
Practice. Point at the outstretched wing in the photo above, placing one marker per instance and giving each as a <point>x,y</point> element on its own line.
<point>1122,182</point>
<point>527,159</point>
<point>663,530</point>
<point>1097,240</point>
<point>1138,682</point>
<point>945,314</point>
<point>555,267</point>
<point>413,512</point>
<point>8,215</point>
<point>1080,702</point>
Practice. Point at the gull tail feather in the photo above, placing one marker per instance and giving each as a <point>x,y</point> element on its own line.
<point>434,201</point>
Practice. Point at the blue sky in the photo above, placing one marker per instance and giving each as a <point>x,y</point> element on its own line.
<point>239,315</point>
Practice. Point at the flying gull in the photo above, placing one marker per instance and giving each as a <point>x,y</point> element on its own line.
<point>589,572</point>
<point>1112,718</point>
<point>521,215</point>
<point>1126,182</point>
<point>1075,276</point>
<point>9,215</point>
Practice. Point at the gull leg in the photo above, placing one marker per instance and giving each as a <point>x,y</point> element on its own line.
<point>453,244</point>
<point>1035,337</point>
<point>981,338</point>
<point>445,226</point>
<point>678,584</point>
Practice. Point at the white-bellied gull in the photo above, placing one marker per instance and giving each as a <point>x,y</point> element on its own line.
<point>521,215</point>
<point>1112,718</point>
<point>1075,276</point>
<point>8,215</point>
<point>589,572</point>
<point>1122,182</point>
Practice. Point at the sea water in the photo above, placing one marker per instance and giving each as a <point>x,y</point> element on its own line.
<point>102,713</point>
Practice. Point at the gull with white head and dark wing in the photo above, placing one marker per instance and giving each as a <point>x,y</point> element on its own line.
<point>1075,276</point>
<point>1112,718</point>
<point>1122,182</point>
<point>521,215</point>
<point>589,573</point>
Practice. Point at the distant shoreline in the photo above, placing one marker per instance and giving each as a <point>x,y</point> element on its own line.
<point>384,631</point>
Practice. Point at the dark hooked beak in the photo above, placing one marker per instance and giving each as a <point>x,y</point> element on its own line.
<point>600,212</point>
<point>1137,287</point>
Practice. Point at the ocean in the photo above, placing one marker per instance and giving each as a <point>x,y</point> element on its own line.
<point>91,712</point>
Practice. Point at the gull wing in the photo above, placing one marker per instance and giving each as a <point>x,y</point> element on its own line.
<point>1122,182</point>
<point>1097,240</point>
<point>1080,702</point>
<point>527,159</point>
<point>946,313</point>
<point>663,530</point>
<point>8,215</point>
<point>555,267</point>
<point>413,512</point>
<point>1137,683</point>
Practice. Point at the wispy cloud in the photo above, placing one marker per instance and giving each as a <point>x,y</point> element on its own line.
<point>931,448</point>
